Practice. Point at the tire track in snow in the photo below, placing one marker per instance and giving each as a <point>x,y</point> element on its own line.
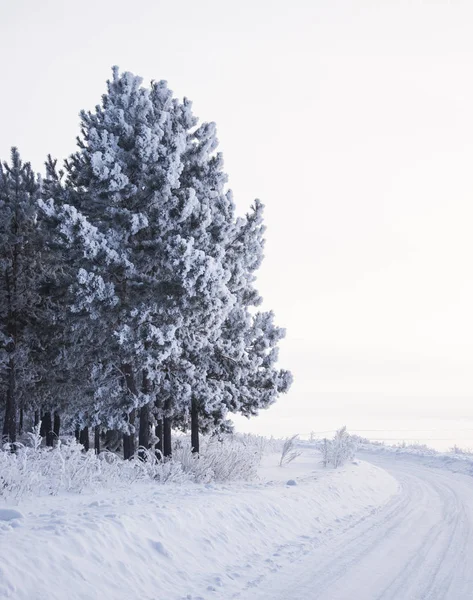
<point>418,547</point>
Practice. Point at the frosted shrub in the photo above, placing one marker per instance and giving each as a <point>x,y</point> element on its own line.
<point>289,451</point>
<point>192,464</point>
<point>47,471</point>
<point>229,458</point>
<point>162,471</point>
<point>339,450</point>
<point>258,443</point>
<point>463,451</point>
<point>16,480</point>
<point>231,461</point>
<point>37,471</point>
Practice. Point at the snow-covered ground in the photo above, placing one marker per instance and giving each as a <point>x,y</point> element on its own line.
<point>392,526</point>
<point>456,462</point>
<point>190,541</point>
<point>419,546</point>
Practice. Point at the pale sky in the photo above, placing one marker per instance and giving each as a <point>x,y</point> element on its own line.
<point>353,122</point>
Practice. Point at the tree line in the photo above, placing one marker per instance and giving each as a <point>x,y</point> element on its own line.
<point>128,304</point>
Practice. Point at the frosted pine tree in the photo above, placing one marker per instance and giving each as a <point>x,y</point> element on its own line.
<point>74,252</point>
<point>126,177</point>
<point>244,361</point>
<point>164,272</point>
<point>122,164</point>
<point>207,220</point>
<point>234,363</point>
<point>20,269</point>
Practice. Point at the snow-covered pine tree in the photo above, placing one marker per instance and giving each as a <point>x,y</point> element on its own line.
<point>244,359</point>
<point>207,220</point>
<point>73,253</point>
<point>234,363</point>
<point>126,177</point>
<point>20,271</point>
<point>166,271</point>
<point>124,161</point>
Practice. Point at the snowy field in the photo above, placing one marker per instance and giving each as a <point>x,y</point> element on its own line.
<point>183,541</point>
<point>395,525</point>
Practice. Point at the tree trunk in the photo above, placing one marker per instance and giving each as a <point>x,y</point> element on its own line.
<point>129,438</point>
<point>77,434</point>
<point>167,437</point>
<point>47,424</point>
<point>195,426</point>
<point>97,439</point>
<point>84,438</point>
<point>167,423</point>
<point>159,434</point>
<point>11,281</point>
<point>143,441</point>
<point>6,421</point>
<point>42,429</point>
<point>20,424</point>
<point>159,429</point>
<point>36,418</point>
<point>57,425</point>
<point>10,423</point>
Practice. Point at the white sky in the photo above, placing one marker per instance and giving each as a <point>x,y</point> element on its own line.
<point>352,121</point>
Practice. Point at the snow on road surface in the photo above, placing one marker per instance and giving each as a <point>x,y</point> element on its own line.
<point>417,547</point>
<point>386,528</point>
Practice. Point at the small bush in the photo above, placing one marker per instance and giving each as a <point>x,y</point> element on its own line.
<point>37,471</point>
<point>463,451</point>
<point>228,458</point>
<point>339,450</point>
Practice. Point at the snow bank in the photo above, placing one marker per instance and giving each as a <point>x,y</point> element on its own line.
<point>186,541</point>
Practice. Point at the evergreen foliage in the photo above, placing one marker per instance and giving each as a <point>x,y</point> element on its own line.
<point>140,305</point>
<point>19,288</point>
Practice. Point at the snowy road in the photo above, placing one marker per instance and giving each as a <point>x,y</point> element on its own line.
<point>418,547</point>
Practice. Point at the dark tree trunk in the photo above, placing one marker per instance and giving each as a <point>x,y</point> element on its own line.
<point>159,435</point>
<point>167,436</point>
<point>10,424</point>
<point>42,429</point>
<point>159,429</point>
<point>57,425</point>
<point>20,424</point>
<point>77,433</point>
<point>84,438</point>
<point>129,438</point>
<point>143,441</point>
<point>47,424</point>
<point>36,418</point>
<point>11,280</point>
<point>97,439</point>
<point>195,426</point>
<point>6,420</point>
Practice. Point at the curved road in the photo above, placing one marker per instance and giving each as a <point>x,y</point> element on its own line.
<point>417,547</point>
